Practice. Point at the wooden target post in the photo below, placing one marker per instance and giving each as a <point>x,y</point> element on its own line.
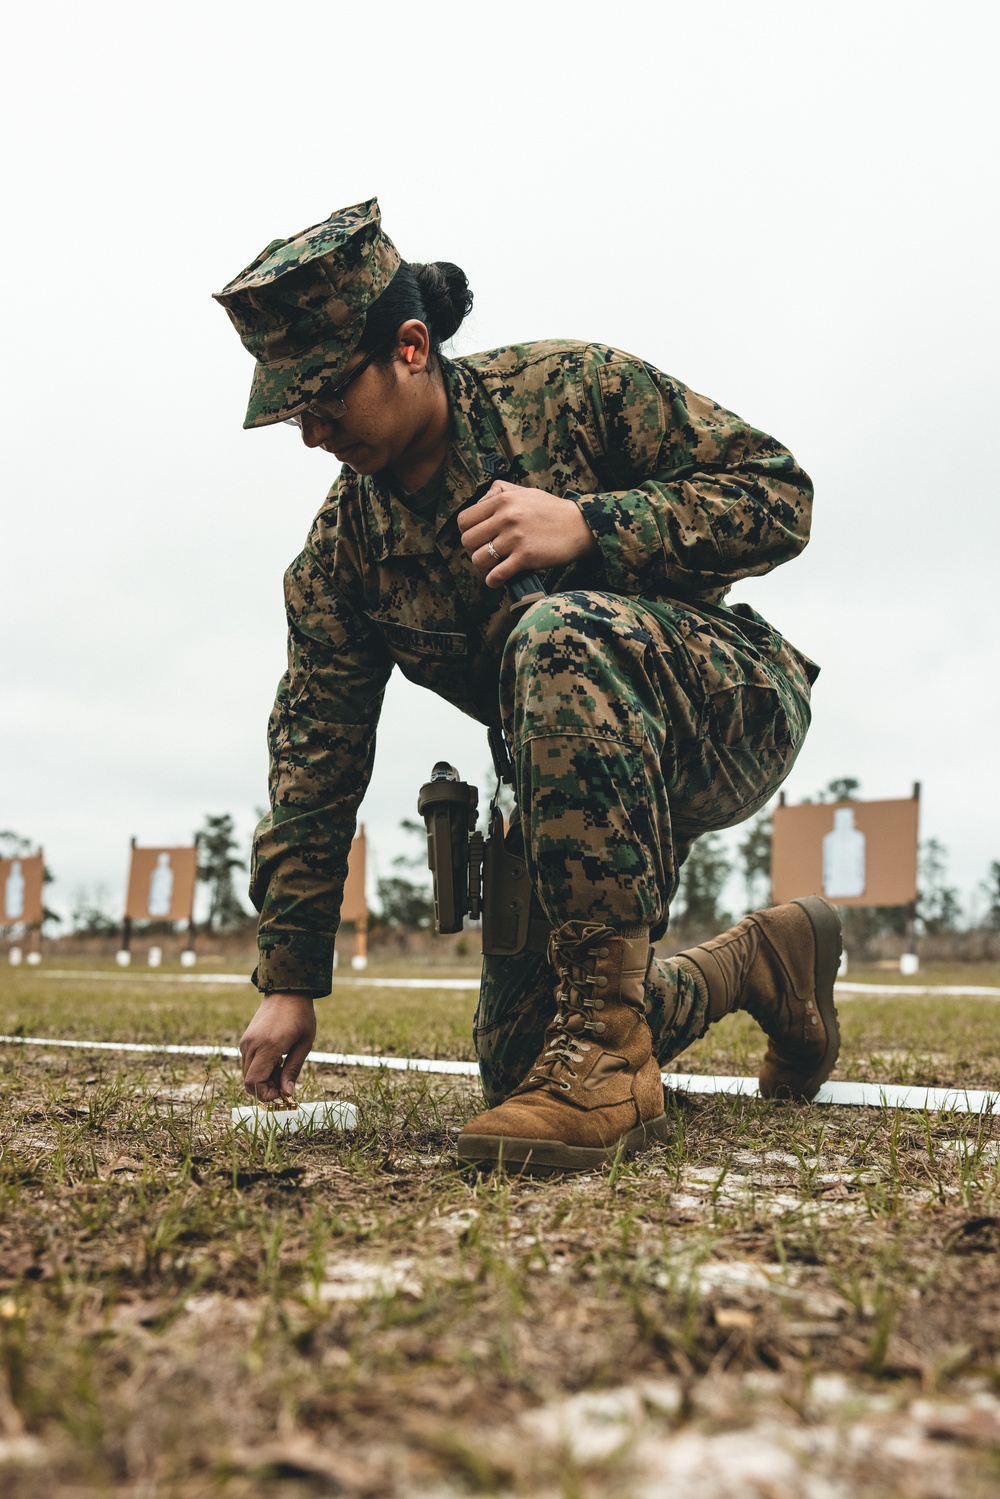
<point>355,903</point>
<point>853,853</point>
<point>161,885</point>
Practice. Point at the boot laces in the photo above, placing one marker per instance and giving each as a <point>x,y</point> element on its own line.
<point>576,1006</point>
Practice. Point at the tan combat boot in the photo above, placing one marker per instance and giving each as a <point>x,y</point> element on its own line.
<point>596,1086</point>
<point>780,965</point>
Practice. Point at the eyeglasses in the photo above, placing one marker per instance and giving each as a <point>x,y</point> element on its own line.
<point>330,405</point>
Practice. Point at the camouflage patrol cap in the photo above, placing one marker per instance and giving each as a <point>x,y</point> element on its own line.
<point>300,307</point>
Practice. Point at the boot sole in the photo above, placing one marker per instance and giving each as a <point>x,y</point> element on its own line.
<point>829,944</point>
<point>541,1156</point>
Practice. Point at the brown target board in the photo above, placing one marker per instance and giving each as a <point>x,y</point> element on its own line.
<point>851,852</point>
<point>21,880</point>
<point>354,906</point>
<point>161,884</point>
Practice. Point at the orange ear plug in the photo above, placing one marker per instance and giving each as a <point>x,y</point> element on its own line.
<point>408,352</point>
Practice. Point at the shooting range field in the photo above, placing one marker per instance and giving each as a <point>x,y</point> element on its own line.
<point>809,1296</point>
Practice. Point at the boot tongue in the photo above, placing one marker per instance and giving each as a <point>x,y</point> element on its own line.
<point>573,945</point>
<point>558,1056</point>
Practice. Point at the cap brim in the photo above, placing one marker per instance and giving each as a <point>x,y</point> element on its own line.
<point>285,387</point>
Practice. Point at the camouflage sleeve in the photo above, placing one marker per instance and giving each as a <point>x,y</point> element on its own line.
<point>321,739</point>
<point>701,499</point>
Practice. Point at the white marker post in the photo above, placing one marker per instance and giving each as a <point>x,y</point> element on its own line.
<point>303,1118</point>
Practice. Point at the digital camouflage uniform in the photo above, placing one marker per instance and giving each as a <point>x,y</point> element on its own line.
<point>640,709</point>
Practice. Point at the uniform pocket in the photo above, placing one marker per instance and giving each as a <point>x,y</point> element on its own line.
<point>731,672</point>
<point>759,634</point>
<point>774,647</point>
<point>435,659</point>
<point>748,711</point>
<point>569,669</point>
<point>314,761</point>
<point>405,640</point>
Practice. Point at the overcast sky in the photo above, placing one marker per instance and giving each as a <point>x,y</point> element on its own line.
<point>791,207</point>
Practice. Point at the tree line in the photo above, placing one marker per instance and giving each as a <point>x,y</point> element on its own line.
<point>405,902</point>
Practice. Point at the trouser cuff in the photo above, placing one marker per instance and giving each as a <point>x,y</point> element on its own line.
<point>701,982</point>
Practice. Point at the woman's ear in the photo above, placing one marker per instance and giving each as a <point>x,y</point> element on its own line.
<point>415,344</point>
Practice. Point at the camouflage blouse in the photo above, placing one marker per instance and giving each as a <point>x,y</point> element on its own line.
<point>683,497</point>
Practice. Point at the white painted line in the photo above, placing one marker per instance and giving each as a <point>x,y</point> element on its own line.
<point>160,1049</point>
<point>844,989</point>
<point>304,1118</point>
<point>897,1096</point>
<point>326,1058</point>
<point>469,983</point>
<point>856,1095</point>
<point>99,976</point>
<point>397,1064</point>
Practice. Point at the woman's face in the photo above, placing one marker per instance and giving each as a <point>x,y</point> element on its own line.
<point>388,408</point>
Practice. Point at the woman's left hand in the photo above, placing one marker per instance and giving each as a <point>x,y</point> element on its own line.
<point>529,528</point>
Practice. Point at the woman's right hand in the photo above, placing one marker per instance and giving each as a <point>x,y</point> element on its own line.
<point>276,1043</point>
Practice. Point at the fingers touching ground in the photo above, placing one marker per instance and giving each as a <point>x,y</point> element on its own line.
<point>275,1045</point>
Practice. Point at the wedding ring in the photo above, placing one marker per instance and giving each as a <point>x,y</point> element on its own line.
<point>493,552</point>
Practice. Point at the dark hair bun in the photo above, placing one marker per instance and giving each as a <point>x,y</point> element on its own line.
<point>446,296</point>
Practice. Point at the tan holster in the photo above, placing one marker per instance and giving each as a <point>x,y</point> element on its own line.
<point>513,919</point>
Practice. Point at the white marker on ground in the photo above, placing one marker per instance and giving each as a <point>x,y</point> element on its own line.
<point>305,1117</point>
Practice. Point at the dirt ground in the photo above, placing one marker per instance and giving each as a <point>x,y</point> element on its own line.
<point>783,1301</point>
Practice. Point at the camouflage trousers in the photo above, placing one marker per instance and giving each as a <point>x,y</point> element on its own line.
<point>635,727</point>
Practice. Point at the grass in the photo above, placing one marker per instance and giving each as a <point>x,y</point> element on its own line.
<point>133,1007</point>
<point>186,1312</point>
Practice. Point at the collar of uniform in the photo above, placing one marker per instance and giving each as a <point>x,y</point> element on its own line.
<point>476,456</point>
<point>475,459</point>
<point>393,531</point>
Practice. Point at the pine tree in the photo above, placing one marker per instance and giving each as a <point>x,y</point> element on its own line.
<point>840,789</point>
<point>755,855</point>
<point>703,875</point>
<point>404,902</point>
<point>216,862</point>
<point>938,906</point>
<point>991,889</point>
<point>91,915</point>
